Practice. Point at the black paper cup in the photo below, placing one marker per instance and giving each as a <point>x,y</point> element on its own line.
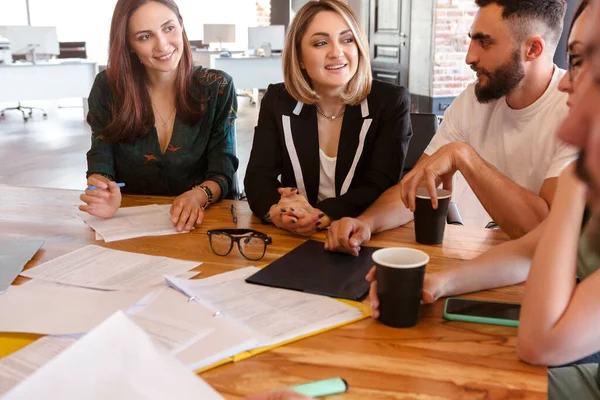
<point>430,223</point>
<point>399,272</point>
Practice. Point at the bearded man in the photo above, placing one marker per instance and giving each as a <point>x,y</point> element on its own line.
<point>500,132</point>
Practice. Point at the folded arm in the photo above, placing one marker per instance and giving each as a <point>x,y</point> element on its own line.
<point>515,209</point>
<point>559,319</point>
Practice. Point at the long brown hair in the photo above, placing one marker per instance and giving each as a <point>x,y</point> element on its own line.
<point>131,108</point>
<point>580,9</point>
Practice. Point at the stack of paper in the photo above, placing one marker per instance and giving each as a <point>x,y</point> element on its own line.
<point>273,314</point>
<point>20,364</point>
<point>266,316</point>
<point>225,340</point>
<point>132,222</point>
<point>117,360</point>
<point>229,319</point>
<point>100,268</point>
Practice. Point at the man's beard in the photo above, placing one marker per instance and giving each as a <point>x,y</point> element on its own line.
<point>500,82</point>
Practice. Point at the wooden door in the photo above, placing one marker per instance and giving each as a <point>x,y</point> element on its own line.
<point>389,28</point>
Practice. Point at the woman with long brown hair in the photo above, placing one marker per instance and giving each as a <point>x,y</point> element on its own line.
<point>159,125</point>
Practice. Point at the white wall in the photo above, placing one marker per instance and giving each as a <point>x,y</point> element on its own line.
<point>77,21</point>
<point>196,13</point>
<point>89,20</point>
<point>13,12</point>
<point>421,48</point>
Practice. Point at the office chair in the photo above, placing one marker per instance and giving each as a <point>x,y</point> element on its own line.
<point>198,44</point>
<point>424,127</point>
<point>26,114</point>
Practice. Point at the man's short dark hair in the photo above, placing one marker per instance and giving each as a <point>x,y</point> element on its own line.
<point>523,12</point>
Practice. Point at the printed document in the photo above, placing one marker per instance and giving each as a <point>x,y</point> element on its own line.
<point>117,360</point>
<point>275,315</point>
<point>132,222</point>
<point>101,268</point>
<point>225,338</point>
<point>173,334</point>
<point>24,362</point>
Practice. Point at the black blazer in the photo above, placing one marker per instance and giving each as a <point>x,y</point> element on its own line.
<point>384,120</point>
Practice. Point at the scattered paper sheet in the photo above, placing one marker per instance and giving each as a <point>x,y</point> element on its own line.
<point>24,362</point>
<point>226,338</point>
<point>60,310</point>
<point>273,314</point>
<point>117,360</point>
<point>14,254</point>
<point>189,274</point>
<point>101,268</point>
<point>132,222</point>
<point>174,334</point>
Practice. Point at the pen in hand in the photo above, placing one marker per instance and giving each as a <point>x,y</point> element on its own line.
<point>120,184</point>
<point>233,214</point>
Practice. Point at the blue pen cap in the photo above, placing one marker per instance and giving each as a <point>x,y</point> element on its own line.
<point>326,387</point>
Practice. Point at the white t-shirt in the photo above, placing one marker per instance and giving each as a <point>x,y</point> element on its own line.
<point>521,144</point>
<point>326,176</point>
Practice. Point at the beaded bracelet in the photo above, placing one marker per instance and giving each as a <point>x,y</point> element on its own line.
<point>208,193</point>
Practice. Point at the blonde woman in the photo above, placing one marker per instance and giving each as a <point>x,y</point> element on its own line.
<point>330,139</point>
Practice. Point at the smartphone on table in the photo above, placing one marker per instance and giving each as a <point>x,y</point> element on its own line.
<point>482,311</point>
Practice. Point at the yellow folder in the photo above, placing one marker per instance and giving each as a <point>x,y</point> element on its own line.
<point>363,308</point>
<point>11,342</point>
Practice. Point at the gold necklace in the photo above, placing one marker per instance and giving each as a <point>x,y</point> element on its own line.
<point>330,117</point>
<point>164,123</point>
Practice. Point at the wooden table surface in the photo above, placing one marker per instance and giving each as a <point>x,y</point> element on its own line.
<point>436,359</point>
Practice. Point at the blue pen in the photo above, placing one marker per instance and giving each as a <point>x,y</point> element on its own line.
<point>120,184</point>
<point>234,214</point>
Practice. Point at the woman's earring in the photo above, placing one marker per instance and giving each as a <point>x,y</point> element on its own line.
<point>302,65</point>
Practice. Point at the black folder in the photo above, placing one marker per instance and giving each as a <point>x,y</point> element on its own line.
<point>310,268</point>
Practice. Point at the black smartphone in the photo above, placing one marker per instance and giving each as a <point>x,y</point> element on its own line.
<point>482,311</point>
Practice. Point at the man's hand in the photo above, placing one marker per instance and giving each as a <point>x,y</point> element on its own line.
<point>347,235</point>
<point>439,167</point>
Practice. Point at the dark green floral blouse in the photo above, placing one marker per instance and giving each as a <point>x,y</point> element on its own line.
<point>196,153</point>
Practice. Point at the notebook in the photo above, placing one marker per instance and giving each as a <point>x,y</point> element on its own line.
<point>14,254</point>
<point>310,268</point>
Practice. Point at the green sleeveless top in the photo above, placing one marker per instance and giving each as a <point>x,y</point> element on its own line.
<point>588,260</point>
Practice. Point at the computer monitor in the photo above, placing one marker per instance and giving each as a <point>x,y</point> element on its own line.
<point>219,33</point>
<point>26,39</point>
<point>273,34</point>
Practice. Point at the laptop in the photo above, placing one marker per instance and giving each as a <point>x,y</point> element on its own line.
<point>310,268</point>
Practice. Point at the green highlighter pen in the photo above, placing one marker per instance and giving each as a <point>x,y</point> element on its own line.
<point>325,387</point>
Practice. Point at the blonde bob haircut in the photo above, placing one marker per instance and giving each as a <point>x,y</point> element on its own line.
<point>297,81</point>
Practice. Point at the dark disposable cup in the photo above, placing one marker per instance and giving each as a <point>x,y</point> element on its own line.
<point>399,272</point>
<point>430,223</point>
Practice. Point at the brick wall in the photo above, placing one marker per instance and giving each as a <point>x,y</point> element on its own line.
<point>263,12</point>
<point>452,21</point>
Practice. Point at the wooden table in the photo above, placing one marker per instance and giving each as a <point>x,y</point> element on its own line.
<point>436,359</point>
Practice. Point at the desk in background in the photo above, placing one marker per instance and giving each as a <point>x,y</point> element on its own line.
<point>205,57</point>
<point>435,359</point>
<point>47,81</point>
<point>252,72</point>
